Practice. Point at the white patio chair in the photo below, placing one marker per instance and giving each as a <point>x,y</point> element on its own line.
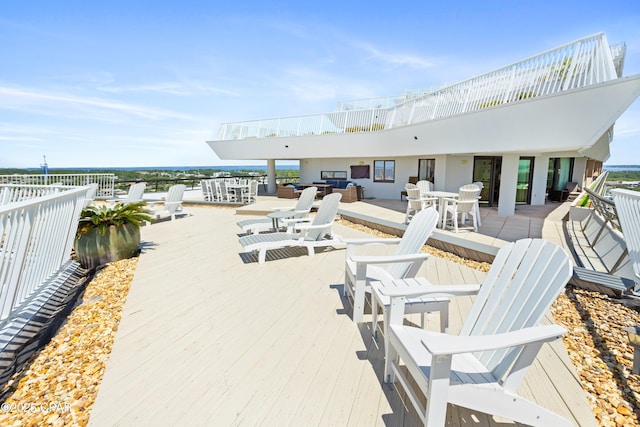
<point>250,194</point>
<point>480,185</point>
<point>361,270</point>
<point>483,366</point>
<point>220,190</point>
<point>424,186</point>
<point>172,205</point>
<point>456,210</point>
<point>300,210</point>
<point>628,208</point>
<point>311,233</point>
<point>417,202</point>
<point>208,192</point>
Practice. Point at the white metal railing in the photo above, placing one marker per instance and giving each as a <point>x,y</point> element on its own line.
<point>585,62</point>
<point>36,237</point>
<point>105,181</point>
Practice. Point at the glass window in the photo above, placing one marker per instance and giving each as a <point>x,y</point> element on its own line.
<point>384,170</point>
<point>426,169</point>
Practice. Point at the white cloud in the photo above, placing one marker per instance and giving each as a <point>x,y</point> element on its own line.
<point>396,59</point>
<point>56,103</point>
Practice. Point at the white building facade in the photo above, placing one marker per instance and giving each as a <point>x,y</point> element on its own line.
<point>524,130</point>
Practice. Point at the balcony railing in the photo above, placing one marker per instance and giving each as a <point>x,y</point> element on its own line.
<point>105,181</point>
<point>585,62</point>
<point>36,237</point>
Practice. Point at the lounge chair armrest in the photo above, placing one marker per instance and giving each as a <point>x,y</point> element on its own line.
<point>292,222</point>
<point>431,290</point>
<point>311,226</point>
<point>282,208</point>
<point>371,241</point>
<point>389,259</point>
<point>453,344</point>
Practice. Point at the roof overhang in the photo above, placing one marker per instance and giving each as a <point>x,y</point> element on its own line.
<point>574,120</point>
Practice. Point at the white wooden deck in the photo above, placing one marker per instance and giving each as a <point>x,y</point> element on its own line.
<point>210,337</point>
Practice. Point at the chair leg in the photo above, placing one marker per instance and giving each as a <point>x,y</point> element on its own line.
<point>358,300</point>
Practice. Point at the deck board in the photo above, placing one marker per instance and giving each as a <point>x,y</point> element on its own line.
<point>211,337</point>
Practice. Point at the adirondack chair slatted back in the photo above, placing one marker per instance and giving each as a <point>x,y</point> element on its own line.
<point>325,216</point>
<point>524,280</point>
<point>467,197</point>
<point>415,236</point>
<point>413,199</point>
<point>305,202</point>
<point>628,209</point>
<point>175,193</point>
<point>135,192</point>
<point>424,186</point>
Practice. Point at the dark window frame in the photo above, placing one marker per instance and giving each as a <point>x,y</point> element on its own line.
<point>384,171</point>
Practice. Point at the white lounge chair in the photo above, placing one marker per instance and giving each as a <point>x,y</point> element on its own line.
<point>316,234</point>
<point>172,204</point>
<point>628,208</point>
<point>483,366</point>
<point>361,270</point>
<point>300,210</point>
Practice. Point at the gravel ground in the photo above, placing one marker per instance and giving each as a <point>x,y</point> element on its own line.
<point>62,381</point>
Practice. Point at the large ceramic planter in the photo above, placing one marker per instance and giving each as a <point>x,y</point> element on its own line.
<point>118,242</point>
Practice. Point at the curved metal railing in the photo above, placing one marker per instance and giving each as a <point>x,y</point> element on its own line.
<point>584,62</point>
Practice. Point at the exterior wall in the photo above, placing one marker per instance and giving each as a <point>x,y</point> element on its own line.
<point>310,171</point>
<point>579,168</point>
<point>459,171</point>
<point>451,172</point>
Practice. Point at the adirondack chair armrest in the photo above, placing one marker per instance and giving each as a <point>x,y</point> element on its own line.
<point>282,208</point>
<point>390,259</point>
<point>296,221</point>
<point>443,344</point>
<point>431,290</point>
<point>311,226</point>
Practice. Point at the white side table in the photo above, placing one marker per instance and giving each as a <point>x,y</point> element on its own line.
<point>412,305</point>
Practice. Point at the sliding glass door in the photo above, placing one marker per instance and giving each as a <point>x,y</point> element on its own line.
<point>487,170</point>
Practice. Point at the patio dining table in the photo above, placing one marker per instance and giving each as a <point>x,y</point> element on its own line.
<point>442,205</point>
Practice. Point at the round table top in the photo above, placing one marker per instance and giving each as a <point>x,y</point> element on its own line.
<point>281,214</point>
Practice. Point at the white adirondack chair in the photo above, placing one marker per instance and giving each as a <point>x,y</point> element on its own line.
<point>300,210</point>
<point>628,208</point>
<point>172,204</point>
<point>311,232</point>
<point>483,366</point>
<point>456,210</point>
<point>91,194</point>
<point>136,191</point>
<point>361,270</point>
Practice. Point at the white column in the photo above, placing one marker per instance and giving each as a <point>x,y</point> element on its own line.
<point>508,182</point>
<point>539,184</point>
<point>271,176</point>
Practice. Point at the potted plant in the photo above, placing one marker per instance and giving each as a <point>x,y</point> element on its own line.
<point>107,234</point>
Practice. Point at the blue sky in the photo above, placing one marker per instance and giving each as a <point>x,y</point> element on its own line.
<point>146,83</point>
